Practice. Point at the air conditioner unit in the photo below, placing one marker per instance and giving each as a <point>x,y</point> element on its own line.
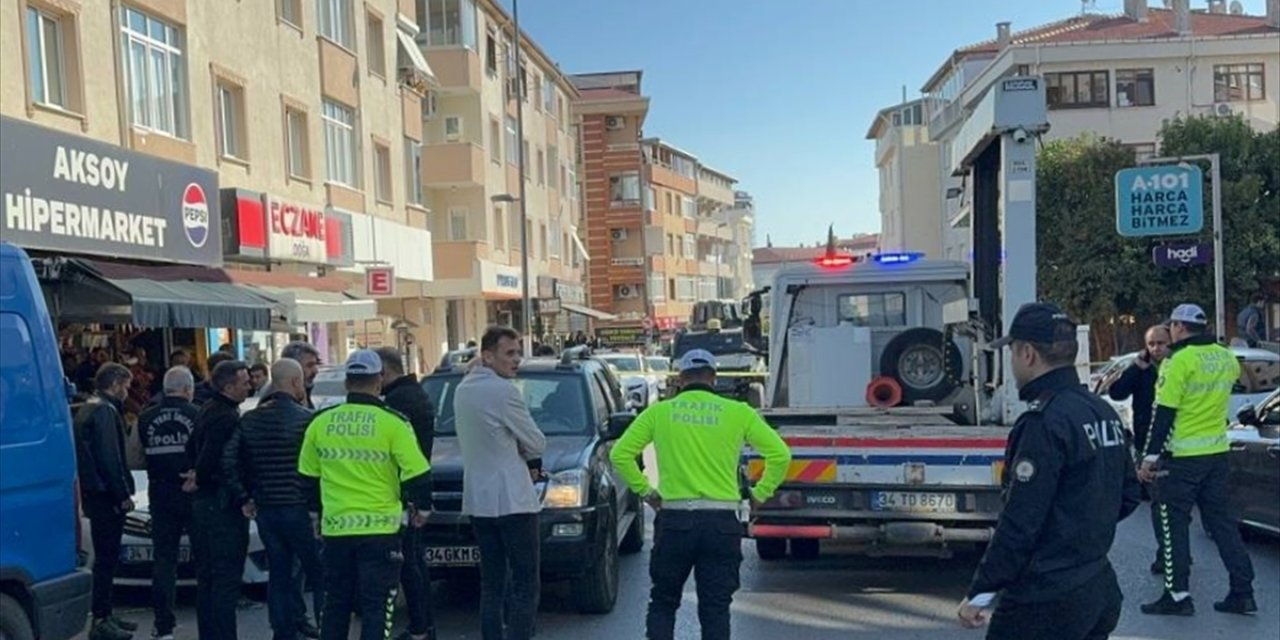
<point>1222,109</point>
<point>614,123</point>
<point>618,235</point>
<point>627,291</point>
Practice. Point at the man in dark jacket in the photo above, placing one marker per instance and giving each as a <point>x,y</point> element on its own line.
<point>106,489</point>
<point>403,393</point>
<point>205,390</point>
<point>1069,479</point>
<point>308,357</point>
<point>165,428</point>
<point>1139,383</point>
<point>221,536</point>
<point>262,460</point>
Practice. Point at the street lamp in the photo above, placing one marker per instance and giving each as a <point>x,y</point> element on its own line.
<point>526,304</point>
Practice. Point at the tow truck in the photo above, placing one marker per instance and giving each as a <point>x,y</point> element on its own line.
<point>896,415</point>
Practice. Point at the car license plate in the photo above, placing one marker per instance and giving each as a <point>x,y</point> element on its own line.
<point>913,501</point>
<point>453,556</point>
<point>135,554</point>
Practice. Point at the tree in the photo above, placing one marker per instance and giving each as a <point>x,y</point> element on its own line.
<point>1108,280</point>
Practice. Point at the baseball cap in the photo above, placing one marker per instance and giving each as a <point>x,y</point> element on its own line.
<point>1037,322</point>
<point>696,359</point>
<point>363,362</point>
<point>1189,313</point>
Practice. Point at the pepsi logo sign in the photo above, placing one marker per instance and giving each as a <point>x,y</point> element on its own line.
<point>195,215</point>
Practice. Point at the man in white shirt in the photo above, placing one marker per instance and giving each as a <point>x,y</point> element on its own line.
<point>501,459</point>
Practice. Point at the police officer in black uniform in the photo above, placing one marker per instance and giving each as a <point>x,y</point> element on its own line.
<point>165,427</point>
<point>1068,479</point>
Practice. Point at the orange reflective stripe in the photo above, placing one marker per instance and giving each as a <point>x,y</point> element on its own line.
<point>799,471</point>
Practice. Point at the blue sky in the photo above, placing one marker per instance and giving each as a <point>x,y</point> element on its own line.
<point>780,93</point>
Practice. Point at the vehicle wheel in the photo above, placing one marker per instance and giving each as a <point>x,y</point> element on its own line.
<point>14,624</point>
<point>917,360</point>
<point>805,548</point>
<point>633,540</point>
<point>771,548</point>
<point>755,395</point>
<point>597,591</point>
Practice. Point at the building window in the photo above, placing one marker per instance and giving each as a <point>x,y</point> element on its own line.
<point>47,58</point>
<point>1135,88</point>
<point>542,239</point>
<point>1238,82</point>
<point>512,143</point>
<point>537,92</point>
<point>452,128</point>
<point>690,246</point>
<point>1142,150</point>
<point>1077,90</point>
<point>377,50</point>
<point>491,53</point>
<point>231,129</point>
<point>689,207</point>
<point>381,172</point>
<point>524,169</point>
<point>557,236</point>
<point>499,234</point>
<point>447,23</point>
<point>549,97</point>
<point>686,288</point>
<point>624,188</point>
<point>299,143</point>
<point>457,223</point>
<point>290,11</point>
<point>528,240</point>
<point>650,198</point>
<point>413,172</point>
<point>334,20</point>
<point>157,72</point>
<point>873,309</point>
<point>657,289</point>
<point>513,227</point>
<point>339,144</point>
<point>495,142</point>
<point>553,167</point>
<point>542,168</point>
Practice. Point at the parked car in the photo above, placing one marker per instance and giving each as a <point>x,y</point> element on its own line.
<point>589,515</point>
<point>661,368</point>
<point>1259,376</point>
<point>43,591</point>
<point>1255,465</point>
<point>329,387</point>
<point>640,383</point>
<point>137,555</point>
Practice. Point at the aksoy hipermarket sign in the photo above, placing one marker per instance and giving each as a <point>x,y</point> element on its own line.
<point>64,192</point>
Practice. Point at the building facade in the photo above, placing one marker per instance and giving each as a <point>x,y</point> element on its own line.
<point>472,155</point>
<point>1114,76</point>
<point>309,115</point>
<point>910,211</point>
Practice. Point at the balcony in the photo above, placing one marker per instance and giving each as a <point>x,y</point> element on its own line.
<point>457,69</point>
<point>453,164</point>
<point>627,262</point>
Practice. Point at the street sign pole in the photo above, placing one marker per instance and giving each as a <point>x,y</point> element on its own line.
<point>1219,271</point>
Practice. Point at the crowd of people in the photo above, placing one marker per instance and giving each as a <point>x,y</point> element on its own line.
<point>340,495</point>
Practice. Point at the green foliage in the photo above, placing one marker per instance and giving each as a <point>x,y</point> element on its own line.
<point>1098,275</point>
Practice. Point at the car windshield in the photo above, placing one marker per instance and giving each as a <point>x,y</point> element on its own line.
<point>555,401</point>
<point>718,343</point>
<point>329,383</point>
<point>626,364</point>
<point>659,364</point>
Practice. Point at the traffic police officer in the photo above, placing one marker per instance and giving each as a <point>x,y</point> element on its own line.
<point>1068,479</point>
<point>165,428</point>
<point>369,466</point>
<point>698,437</point>
<point>1189,445</point>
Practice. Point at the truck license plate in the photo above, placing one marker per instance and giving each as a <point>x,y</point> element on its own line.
<point>137,554</point>
<point>913,501</point>
<point>453,556</point>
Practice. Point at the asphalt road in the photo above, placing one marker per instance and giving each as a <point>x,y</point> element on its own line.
<point>844,596</point>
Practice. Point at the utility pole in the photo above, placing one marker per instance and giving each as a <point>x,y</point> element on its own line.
<point>526,309</point>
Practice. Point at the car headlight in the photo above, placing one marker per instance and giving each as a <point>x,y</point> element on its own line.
<point>565,490</point>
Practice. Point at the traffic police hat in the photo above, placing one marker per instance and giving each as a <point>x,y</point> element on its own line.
<point>1038,322</point>
<point>697,359</point>
<point>1189,314</point>
<point>363,362</point>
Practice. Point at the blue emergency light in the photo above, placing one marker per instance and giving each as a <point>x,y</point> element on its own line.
<point>897,258</point>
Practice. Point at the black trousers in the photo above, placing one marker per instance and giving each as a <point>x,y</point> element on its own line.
<point>288,539</point>
<point>510,547</point>
<point>170,519</point>
<point>1088,612</point>
<point>415,579</point>
<point>360,575</point>
<point>1204,482</point>
<point>219,540</point>
<point>707,543</point>
<point>106,526</point>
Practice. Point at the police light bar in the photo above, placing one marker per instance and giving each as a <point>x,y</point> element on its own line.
<point>834,261</point>
<point>897,258</point>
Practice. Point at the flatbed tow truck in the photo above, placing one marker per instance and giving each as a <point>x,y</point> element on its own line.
<point>896,415</point>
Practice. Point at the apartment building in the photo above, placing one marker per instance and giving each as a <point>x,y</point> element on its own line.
<point>301,119</point>
<point>1118,76</point>
<point>910,180</point>
<point>472,182</point>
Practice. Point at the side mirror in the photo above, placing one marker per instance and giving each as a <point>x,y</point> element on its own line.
<point>617,425</point>
<point>1247,416</point>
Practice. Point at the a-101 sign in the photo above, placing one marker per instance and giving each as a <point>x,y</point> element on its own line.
<point>1160,201</point>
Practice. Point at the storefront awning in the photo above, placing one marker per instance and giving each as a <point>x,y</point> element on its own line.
<point>306,305</point>
<point>413,55</point>
<point>582,250</point>
<point>587,311</point>
<point>93,291</point>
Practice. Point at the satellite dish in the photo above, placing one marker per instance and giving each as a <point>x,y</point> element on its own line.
<point>1237,8</point>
